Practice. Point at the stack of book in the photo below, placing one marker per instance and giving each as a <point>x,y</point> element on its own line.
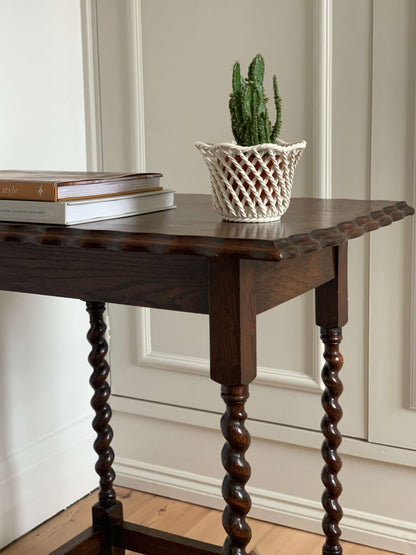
<point>68,198</point>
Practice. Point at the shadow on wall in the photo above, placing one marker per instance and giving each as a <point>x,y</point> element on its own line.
<point>7,483</point>
<point>45,413</point>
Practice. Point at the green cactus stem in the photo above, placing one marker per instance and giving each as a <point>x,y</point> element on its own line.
<point>248,106</point>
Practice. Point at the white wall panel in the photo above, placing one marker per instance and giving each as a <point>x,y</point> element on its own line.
<point>392,254</point>
<point>160,360</point>
<point>120,85</point>
<point>285,486</point>
<point>186,93</point>
<point>189,47</point>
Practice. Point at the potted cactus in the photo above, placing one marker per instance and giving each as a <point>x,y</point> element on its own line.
<point>252,178</point>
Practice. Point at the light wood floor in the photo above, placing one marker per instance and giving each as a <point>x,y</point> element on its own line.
<point>176,517</point>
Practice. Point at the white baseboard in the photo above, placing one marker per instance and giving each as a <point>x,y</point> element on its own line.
<point>45,477</point>
<point>364,528</point>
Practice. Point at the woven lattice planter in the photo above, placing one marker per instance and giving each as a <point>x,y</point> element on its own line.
<point>251,183</point>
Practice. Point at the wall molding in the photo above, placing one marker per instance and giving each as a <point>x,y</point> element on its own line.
<point>278,433</point>
<point>31,477</point>
<point>36,451</point>
<point>285,510</point>
<point>138,84</point>
<point>322,98</point>
<point>92,85</point>
<point>397,413</point>
<point>412,388</point>
<point>322,130</point>
<point>272,377</point>
<point>413,313</point>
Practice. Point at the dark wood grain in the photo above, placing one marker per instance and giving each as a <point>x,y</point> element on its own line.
<point>99,402</point>
<point>108,510</point>
<point>232,321</point>
<point>194,228</point>
<point>331,302</point>
<point>188,259</point>
<point>278,283</point>
<point>238,470</point>
<point>155,542</point>
<point>140,279</point>
<point>88,542</point>
<point>333,413</point>
<point>331,298</point>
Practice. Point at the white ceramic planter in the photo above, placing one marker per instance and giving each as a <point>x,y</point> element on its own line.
<point>251,183</point>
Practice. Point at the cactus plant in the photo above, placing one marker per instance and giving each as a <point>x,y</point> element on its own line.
<point>248,106</point>
<point>252,180</point>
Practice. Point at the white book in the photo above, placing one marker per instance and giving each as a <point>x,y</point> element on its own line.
<point>81,211</point>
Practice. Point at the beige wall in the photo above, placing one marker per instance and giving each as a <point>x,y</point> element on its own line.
<point>340,65</point>
<point>189,48</point>
<point>46,458</point>
<point>347,78</point>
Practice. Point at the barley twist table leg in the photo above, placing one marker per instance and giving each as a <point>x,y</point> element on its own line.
<point>238,470</point>
<point>108,510</point>
<point>331,338</point>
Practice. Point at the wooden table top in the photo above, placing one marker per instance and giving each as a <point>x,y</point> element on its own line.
<point>195,228</point>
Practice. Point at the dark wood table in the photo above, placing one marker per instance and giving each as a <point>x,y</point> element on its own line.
<point>190,260</point>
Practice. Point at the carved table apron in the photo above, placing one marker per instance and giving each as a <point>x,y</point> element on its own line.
<point>189,260</point>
